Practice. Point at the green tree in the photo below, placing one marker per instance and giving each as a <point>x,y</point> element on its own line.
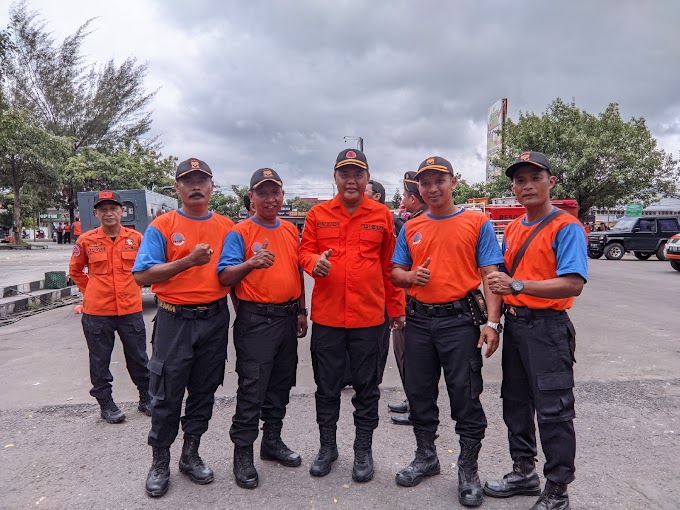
<point>228,205</point>
<point>396,199</point>
<point>464,191</point>
<point>599,160</point>
<point>299,205</point>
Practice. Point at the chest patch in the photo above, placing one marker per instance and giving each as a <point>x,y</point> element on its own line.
<point>178,239</point>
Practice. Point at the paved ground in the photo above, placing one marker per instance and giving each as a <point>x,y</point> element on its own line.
<point>56,453</point>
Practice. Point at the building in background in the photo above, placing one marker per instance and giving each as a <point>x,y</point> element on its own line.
<point>497,115</point>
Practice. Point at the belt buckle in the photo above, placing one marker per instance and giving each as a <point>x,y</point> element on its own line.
<point>201,312</point>
<point>431,311</point>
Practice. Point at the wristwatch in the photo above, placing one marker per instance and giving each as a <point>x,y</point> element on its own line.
<point>517,286</point>
<point>303,311</point>
<point>496,326</point>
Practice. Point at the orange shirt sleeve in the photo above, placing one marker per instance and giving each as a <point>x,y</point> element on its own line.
<point>309,247</point>
<point>76,266</point>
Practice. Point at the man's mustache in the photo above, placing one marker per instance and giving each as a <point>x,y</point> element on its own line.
<point>197,194</point>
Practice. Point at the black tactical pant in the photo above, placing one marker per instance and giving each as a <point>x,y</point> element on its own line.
<point>99,334</point>
<point>538,378</point>
<point>384,348</point>
<point>188,354</point>
<point>448,343</point>
<point>398,343</point>
<point>266,363</point>
<point>330,348</point>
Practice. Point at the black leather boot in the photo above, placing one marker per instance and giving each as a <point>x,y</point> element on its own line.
<point>362,470</point>
<point>425,464</point>
<point>401,419</point>
<point>110,411</point>
<point>328,453</point>
<point>401,407</point>
<point>191,463</point>
<point>158,479</point>
<point>144,405</point>
<point>554,497</point>
<point>273,448</point>
<point>522,480</point>
<point>245,473</point>
<point>469,487</point>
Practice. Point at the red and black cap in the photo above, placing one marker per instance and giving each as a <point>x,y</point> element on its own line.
<point>436,163</point>
<point>351,157</point>
<point>410,183</point>
<point>264,175</point>
<point>192,165</point>
<point>107,196</point>
<point>529,158</point>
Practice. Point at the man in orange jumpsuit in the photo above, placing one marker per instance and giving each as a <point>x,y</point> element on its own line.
<point>112,301</point>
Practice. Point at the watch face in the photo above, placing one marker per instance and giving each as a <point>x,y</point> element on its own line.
<point>517,286</point>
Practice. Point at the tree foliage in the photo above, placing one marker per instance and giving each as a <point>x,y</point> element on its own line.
<point>298,204</point>
<point>464,191</point>
<point>599,160</point>
<point>228,205</point>
<point>396,199</point>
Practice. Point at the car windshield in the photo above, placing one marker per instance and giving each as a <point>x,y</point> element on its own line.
<point>624,224</point>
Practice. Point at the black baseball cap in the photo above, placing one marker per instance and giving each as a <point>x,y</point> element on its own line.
<point>529,158</point>
<point>107,196</point>
<point>436,163</point>
<point>351,157</point>
<point>410,183</point>
<point>192,165</point>
<point>264,175</point>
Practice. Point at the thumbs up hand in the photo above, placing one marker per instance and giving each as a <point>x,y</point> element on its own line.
<point>420,276</point>
<point>263,258</point>
<point>322,266</point>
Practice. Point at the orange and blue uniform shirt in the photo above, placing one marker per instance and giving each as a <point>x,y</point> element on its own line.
<point>358,287</point>
<point>457,245</point>
<point>108,287</point>
<point>173,236</point>
<point>279,283</point>
<point>558,250</point>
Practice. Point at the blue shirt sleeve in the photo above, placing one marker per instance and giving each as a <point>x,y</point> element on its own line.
<point>233,251</point>
<point>488,251</point>
<point>571,251</point>
<point>151,251</point>
<point>401,254</point>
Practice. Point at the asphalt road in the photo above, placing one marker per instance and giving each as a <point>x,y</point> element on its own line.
<point>57,453</point>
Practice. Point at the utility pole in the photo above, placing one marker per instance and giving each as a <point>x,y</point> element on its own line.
<point>359,140</point>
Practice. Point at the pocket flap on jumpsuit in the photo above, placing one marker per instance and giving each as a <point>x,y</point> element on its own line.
<point>557,381</point>
<point>155,366</point>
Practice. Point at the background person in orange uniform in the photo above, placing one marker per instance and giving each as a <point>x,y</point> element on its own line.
<point>439,258</point>
<point>191,326</point>
<point>76,229</point>
<point>347,242</point>
<point>112,301</point>
<point>539,340</point>
<point>260,259</point>
<point>67,233</point>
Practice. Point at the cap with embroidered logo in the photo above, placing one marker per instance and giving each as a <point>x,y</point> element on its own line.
<point>192,165</point>
<point>351,157</point>
<point>410,183</point>
<point>264,175</point>
<point>529,158</point>
<point>436,163</point>
<point>107,196</point>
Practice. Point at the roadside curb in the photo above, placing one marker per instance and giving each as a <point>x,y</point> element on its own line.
<point>38,299</point>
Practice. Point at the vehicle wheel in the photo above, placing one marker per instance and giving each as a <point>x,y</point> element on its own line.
<point>675,264</point>
<point>659,252</point>
<point>614,251</point>
<point>594,254</point>
<point>642,255</point>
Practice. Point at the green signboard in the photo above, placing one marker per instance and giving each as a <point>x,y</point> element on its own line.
<point>54,216</point>
<point>633,210</point>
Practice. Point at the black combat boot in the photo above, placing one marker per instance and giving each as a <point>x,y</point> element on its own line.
<point>401,407</point>
<point>362,470</point>
<point>425,464</point>
<point>522,480</point>
<point>554,497</point>
<point>144,405</point>
<point>191,463</point>
<point>245,473</point>
<point>110,411</point>
<point>273,448</point>
<point>328,453</point>
<point>159,475</point>
<point>469,487</point>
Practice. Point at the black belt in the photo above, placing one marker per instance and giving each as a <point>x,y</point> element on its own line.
<point>273,310</point>
<point>194,311</point>
<point>458,308</point>
<point>531,313</point>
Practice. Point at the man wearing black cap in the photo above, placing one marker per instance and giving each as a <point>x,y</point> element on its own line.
<point>546,258</point>
<point>346,242</point>
<point>260,260</point>
<point>414,205</point>
<point>108,252</point>
<point>439,258</point>
<point>191,325</point>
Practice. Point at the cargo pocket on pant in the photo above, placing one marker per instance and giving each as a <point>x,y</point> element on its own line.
<point>476,381</point>
<point>555,397</point>
<point>157,379</point>
<point>248,380</point>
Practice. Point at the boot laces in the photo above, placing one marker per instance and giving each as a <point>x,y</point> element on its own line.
<point>245,459</point>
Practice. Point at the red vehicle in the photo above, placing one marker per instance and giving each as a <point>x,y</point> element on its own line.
<point>502,214</point>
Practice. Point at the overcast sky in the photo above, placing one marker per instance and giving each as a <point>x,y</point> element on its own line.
<point>247,84</point>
